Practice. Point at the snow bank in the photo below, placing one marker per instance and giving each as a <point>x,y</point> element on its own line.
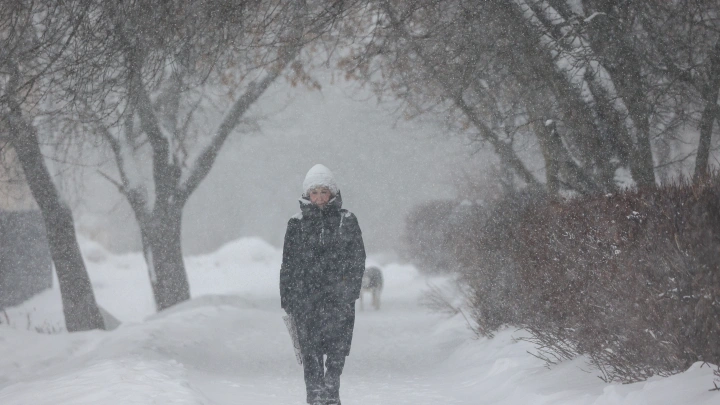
<point>506,374</point>
<point>127,381</point>
<point>228,345</point>
<point>248,266</point>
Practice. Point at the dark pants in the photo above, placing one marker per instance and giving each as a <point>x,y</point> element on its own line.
<point>322,376</point>
<point>325,334</point>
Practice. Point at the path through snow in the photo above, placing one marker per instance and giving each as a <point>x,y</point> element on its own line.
<point>229,346</point>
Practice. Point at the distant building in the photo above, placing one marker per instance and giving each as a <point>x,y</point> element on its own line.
<point>25,262</point>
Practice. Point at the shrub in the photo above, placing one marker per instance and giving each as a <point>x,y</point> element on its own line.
<point>631,280</point>
<point>635,277</point>
<point>484,249</point>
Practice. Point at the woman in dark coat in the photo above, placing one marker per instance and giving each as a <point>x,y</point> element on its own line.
<point>320,279</point>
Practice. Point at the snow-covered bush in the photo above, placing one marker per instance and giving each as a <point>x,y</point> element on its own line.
<point>484,247</point>
<point>634,277</point>
<point>631,280</point>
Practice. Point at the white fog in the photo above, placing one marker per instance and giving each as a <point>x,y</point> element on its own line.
<point>384,163</point>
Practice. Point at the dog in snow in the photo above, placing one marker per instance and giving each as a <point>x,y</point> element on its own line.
<point>372,282</point>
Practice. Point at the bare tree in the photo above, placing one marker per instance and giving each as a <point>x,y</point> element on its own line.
<point>34,43</point>
<point>599,73</point>
<point>185,74</point>
<point>479,67</point>
<point>685,41</point>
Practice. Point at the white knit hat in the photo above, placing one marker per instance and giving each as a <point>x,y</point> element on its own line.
<point>320,176</point>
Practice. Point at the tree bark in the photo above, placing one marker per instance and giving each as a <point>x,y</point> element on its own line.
<point>612,38</point>
<point>544,136</point>
<point>621,95</point>
<point>642,166</point>
<point>79,305</point>
<point>629,81</point>
<point>560,168</point>
<point>163,253</point>
<point>707,122</point>
<point>710,94</point>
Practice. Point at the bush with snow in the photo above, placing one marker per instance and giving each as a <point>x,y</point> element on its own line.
<point>632,280</point>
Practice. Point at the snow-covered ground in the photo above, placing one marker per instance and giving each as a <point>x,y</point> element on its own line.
<point>229,346</point>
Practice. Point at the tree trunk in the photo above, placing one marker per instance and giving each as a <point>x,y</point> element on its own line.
<point>79,305</point>
<point>163,255</point>
<point>708,116</point>
<point>161,225</point>
<point>612,39</point>
<point>560,168</point>
<point>635,96</point>
<point>642,166</point>
<point>544,135</point>
<point>703,151</point>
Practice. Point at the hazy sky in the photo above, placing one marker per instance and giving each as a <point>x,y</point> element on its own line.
<point>383,165</point>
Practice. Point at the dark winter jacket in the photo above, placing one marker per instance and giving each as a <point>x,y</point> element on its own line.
<point>321,275</point>
<point>323,258</point>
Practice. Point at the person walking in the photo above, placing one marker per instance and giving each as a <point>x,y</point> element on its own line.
<point>320,279</point>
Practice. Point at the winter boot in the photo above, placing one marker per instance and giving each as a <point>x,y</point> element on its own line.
<point>314,378</point>
<point>335,364</point>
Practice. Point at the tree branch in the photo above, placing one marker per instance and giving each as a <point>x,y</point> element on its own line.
<point>202,165</point>
<point>503,149</point>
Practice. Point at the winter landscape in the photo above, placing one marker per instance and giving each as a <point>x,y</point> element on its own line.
<point>228,345</point>
<point>359,202</point>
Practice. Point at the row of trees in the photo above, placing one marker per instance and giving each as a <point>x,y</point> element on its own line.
<point>598,85</point>
<point>601,87</point>
<point>162,85</point>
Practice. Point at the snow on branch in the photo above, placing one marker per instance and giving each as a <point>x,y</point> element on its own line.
<point>592,16</point>
<point>575,58</point>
